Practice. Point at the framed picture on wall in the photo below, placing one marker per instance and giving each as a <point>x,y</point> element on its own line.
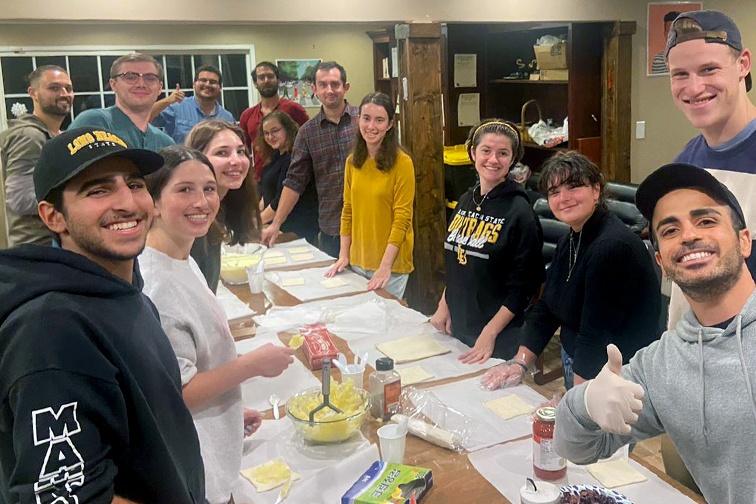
<point>659,19</point>
<point>297,79</point>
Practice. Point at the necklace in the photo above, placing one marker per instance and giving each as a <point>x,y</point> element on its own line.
<point>574,252</point>
<point>478,205</point>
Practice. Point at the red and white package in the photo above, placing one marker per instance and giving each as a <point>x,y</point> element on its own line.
<point>318,345</point>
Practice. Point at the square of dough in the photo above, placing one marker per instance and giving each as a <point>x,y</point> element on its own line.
<point>509,406</point>
<point>291,282</point>
<point>413,374</point>
<point>615,473</point>
<point>300,250</point>
<point>302,257</point>
<point>412,348</point>
<point>270,475</point>
<point>272,253</point>
<point>333,282</point>
<point>271,261</point>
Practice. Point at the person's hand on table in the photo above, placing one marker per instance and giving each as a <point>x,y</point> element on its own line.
<point>269,360</point>
<point>508,374</point>
<point>611,401</point>
<point>380,278</point>
<point>483,349</point>
<point>339,266</point>
<point>441,320</point>
<point>252,421</point>
<point>176,96</point>
<point>270,234</point>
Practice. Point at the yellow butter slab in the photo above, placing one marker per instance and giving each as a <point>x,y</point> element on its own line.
<point>509,406</point>
<point>414,374</point>
<point>412,348</point>
<point>615,473</point>
<point>296,341</point>
<point>273,253</point>
<point>291,282</point>
<point>275,260</point>
<point>300,250</point>
<point>302,257</point>
<point>270,475</point>
<point>333,282</point>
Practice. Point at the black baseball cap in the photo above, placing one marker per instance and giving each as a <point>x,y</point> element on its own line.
<point>681,176</point>
<point>64,156</point>
<point>716,27</point>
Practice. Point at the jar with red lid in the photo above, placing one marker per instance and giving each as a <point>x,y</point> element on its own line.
<point>547,465</point>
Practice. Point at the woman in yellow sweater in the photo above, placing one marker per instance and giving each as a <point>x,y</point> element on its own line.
<point>379,193</point>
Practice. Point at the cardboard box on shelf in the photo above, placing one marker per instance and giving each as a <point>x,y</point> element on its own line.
<point>551,56</point>
<point>555,74</point>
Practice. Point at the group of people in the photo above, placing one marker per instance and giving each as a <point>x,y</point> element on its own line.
<point>112,339</point>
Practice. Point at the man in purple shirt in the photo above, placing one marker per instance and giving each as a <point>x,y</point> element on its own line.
<point>320,150</point>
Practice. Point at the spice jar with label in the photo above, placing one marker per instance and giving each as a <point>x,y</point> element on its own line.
<point>385,387</point>
<point>547,464</point>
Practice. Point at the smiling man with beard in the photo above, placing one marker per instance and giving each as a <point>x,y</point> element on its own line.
<point>265,78</point>
<point>696,382</point>
<point>91,406</point>
<point>20,146</point>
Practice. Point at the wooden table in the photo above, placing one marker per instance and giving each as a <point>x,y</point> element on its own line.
<point>455,478</point>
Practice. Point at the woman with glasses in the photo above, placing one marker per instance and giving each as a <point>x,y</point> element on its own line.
<point>379,192</point>
<point>274,145</point>
<point>238,221</point>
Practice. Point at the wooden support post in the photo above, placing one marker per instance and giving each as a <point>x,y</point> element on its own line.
<point>419,47</point>
<point>615,104</point>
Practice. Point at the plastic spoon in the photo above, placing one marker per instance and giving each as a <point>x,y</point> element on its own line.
<point>274,400</point>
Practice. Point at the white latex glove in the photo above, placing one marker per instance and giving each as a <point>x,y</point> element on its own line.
<point>613,402</point>
<point>508,374</point>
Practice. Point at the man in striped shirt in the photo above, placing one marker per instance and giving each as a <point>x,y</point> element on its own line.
<point>320,150</point>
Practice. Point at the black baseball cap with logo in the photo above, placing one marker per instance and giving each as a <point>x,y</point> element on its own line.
<point>675,176</point>
<point>716,27</point>
<point>66,155</point>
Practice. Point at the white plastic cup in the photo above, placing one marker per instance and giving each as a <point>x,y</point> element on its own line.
<point>353,373</point>
<point>392,443</point>
<point>256,277</point>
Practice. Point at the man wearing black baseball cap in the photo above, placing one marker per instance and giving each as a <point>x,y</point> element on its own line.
<point>710,75</point>
<point>696,382</point>
<point>90,395</point>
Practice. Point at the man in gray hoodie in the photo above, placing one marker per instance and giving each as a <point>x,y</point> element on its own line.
<point>20,146</point>
<point>696,382</point>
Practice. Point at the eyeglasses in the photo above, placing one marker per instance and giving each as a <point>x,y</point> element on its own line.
<point>274,131</point>
<point>133,77</point>
<point>209,82</point>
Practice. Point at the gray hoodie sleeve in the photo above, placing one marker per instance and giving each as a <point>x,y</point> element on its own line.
<point>580,440</point>
<point>21,153</point>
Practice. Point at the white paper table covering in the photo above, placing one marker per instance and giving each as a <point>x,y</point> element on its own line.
<point>506,467</point>
<point>317,254</point>
<point>466,397</point>
<point>312,288</point>
<point>256,391</point>
<point>324,480</point>
<point>349,317</point>
<point>233,306</point>
<point>440,366</point>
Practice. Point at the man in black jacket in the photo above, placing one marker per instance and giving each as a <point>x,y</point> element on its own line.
<point>90,396</point>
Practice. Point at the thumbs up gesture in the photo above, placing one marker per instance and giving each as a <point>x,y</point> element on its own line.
<point>613,402</point>
<point>176,95</point>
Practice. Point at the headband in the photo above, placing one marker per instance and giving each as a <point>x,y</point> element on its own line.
<point>500,123</point>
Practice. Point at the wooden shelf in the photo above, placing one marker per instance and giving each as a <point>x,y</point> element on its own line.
<point>383,79</point>
<point>526,81</point>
